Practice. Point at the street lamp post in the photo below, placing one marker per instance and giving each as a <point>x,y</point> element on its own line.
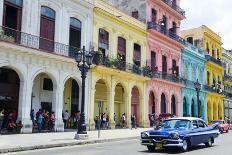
<point>84,61</point>
<point>197,86</point>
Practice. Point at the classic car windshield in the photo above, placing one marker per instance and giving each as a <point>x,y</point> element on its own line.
<point>176,124</point>
<point>219,122</point>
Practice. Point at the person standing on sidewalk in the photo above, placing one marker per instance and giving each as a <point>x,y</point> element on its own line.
<point>39,120</point>
<point>32,115</point>
<point>66,117</point>
<point>123,120</point>
<point>133,122</point>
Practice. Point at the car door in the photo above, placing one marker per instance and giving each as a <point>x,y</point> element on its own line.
<point>204,134</point>
<point>194,133</point>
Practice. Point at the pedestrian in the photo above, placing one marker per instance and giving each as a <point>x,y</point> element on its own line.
<point>52,121</point>
<point>76,119</point>
<point>123,120</point>
<point>133,121</point>
<point>32,115</point>
<point>104,121</point>
<point>39,120</point>
<point>66,117</point>
<point>1,119</point>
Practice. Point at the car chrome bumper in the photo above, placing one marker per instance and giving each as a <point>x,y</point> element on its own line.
<point>165,143</point>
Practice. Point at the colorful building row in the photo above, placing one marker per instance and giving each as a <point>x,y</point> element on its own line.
<point>141,65</point>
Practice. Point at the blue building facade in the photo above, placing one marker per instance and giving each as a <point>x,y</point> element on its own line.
<point>193,69</point>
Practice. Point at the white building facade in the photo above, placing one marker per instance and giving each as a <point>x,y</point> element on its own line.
<point>37,68</point>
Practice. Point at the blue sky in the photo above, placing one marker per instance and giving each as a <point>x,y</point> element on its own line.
<point>216,14</point>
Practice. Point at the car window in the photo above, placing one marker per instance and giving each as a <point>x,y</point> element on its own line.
<point>201,124</point>
<point>195,126</point>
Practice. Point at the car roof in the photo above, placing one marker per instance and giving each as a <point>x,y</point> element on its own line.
<point>185,118</point>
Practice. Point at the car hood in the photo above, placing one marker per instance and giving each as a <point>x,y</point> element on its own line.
<point>165,132</point>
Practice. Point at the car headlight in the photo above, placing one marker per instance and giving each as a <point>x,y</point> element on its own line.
<point>144,135</point>
<point>174,136</point>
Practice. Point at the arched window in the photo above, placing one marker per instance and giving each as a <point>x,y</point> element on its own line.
<point>192,108</point>
<point>163,103</point>
<point>185,108</point>
<point>75,33</point>
<point>47,28</point>
<point>173,105</point>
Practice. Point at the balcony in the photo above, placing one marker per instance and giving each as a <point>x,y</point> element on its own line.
<point>175,7</point>
<point>35,42</point>
<point>99,59</point>
<point>168,33</point>
<point>213,89</point>
<point>210,58</point>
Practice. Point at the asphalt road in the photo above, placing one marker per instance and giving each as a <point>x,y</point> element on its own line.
<point>222,146</point>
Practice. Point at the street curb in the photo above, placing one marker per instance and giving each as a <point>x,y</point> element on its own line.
<point>36,147</point>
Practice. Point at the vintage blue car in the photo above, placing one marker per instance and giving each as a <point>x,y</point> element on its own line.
<point>181,132</point>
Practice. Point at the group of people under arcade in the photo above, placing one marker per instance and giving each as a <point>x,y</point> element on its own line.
<point>42,120</point>
<point>8,122</point>
<point>71,121</point>
<point>102,121</point>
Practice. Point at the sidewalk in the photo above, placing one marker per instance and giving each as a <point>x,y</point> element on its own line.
<point>23,142</point>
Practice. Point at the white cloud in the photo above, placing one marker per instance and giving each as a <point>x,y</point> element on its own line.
<point>216,14</point>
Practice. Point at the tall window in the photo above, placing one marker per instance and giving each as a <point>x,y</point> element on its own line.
<point>163,103</point>
<point>208,78</point>
<point>103,42</point>
<point>153,60</point>
<point>75,32</point>
<point>173,105</point>
<point>218,57</point>
<point>135,14</point>
<point>207,47</point>
<point>174,67</point>
<point>164,24</point>
<point>137,55</point>
<point>122,48</point>
<point>192,109</point>
<point>173,29</point>
<point>12,15</point>
<point>164,64</point>
<point>190,40</point>
<point>47,28</point>
<point>153,15</point>
<point>213,53</point>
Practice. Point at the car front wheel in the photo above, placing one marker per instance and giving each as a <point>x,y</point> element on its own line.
<point>151,148</point>
<point>209,143</point>
<point>185,146</point>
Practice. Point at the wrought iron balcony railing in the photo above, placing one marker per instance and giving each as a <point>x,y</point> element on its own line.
<point>163,30</point>
<point>210,58</point>
<point>99,59</point>
<point>35,42</point>
<point>213,89</point>
<point>175,7</point>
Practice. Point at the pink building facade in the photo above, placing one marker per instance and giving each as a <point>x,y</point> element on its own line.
<point>164,56</point>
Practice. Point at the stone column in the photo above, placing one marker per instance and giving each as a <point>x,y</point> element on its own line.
<point>128,109</point>
<point>143,116</point>
<point>158,103</point>
<point>1,11</point>
<point>24,107</point>
<point>91,112</point>
<point>57,106</point>
<point>130,50</point>
<point>168,104</point>
<point>111,109</point>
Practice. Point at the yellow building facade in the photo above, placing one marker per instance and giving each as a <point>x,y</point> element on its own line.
<point>117,80</point>
<point>203,37</point>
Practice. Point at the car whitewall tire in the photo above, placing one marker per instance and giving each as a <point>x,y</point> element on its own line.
<point>209,143</point>
<point>185,146</point>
